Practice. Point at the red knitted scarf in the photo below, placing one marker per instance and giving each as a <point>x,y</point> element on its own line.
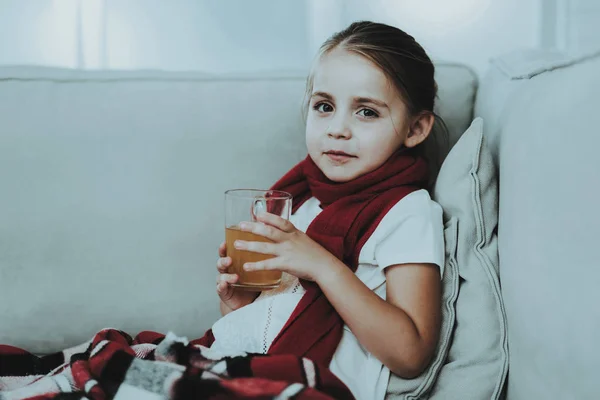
<point>351,212</point>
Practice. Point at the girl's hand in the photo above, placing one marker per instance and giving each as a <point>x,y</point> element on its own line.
<point>294,252</point>
<point>231,298</point>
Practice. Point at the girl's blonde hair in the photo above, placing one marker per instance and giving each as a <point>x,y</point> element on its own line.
<point>407,66</point>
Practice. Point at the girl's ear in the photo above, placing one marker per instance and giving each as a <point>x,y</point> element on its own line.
<point>420,129</point>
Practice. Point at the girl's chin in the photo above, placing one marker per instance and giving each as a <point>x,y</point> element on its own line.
<point>337,174</point>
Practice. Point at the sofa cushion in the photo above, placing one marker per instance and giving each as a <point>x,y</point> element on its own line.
<point>467,189</point>
<point>457,89</point>
<point>112,191</point>
<point>473,360</point>
<point>547,151</point>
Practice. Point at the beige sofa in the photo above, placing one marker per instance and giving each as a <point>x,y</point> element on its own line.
<point>112,189</point>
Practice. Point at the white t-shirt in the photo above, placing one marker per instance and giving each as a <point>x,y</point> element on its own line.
<point>411,232</point>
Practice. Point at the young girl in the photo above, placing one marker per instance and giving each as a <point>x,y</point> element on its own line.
<point>363,250</point>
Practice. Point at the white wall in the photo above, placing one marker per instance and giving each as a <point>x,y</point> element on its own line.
<point>210,35</point>
<point>578,25</point>
<point>38,32</point>
<point>469,31</point>
<point>245,35</point>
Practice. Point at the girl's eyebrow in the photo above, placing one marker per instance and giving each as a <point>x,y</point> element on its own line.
<point>322,94</point>
<point>363,100</point>
<point>357,100</point>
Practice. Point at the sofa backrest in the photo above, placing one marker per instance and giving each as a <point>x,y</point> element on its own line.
<point>112,190</point>
<point>540,112</point>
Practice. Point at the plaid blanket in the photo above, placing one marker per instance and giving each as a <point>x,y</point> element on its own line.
<point>153,366</point>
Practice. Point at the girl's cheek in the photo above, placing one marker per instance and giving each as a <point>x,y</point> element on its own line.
<point>312,128</point>
<point>317,125</point>
<point>312,142</point>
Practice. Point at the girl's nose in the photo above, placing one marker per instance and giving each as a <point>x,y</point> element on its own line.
<point>345,134</point>
<point>339,130</point>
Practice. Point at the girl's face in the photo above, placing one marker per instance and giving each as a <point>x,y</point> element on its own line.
<point>356,117</point>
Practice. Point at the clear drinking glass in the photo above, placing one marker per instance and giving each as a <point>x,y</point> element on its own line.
<point>243,205</point>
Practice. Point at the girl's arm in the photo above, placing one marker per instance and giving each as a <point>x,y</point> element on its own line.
<point>401,332</point>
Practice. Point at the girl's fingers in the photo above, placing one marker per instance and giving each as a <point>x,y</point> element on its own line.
<point>224,290</point>
<point>281,224</point>
<point>265,265</point>
<point>270,232</point>
<point>223,250</point>
<point>223,264</point>
<point>221,287</point>
<point>227,278</point>
<point>256,247</point>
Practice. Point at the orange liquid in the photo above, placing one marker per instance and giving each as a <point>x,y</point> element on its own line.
<point>250,280</point>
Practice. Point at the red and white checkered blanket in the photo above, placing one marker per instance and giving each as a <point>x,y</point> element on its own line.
<point>154,366</point>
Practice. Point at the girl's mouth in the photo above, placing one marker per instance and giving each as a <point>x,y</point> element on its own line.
<point>338,156</point>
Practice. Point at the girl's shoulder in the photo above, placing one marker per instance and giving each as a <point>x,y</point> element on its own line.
<point>414,210</point>
<point>411,232</point>
<point>418,202</point>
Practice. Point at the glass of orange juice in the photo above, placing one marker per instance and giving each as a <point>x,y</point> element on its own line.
<point>243,205</point>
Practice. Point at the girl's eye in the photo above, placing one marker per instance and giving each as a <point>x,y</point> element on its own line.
<point>323,107</point>
<point>368,113</point>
